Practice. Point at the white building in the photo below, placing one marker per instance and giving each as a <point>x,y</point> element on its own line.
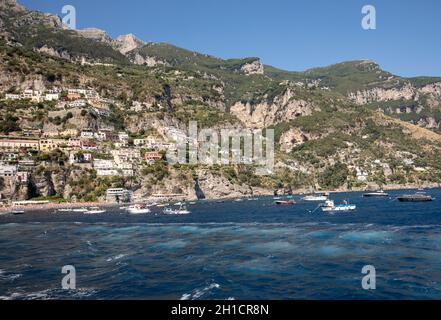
<point>8,171</point>
<point>77,104</point>
<point>11,96</point>
<point>52,97</point>
<point>362,175</point>
<point>87,134</point>
<point>122,136</point>
<point>126,155</point>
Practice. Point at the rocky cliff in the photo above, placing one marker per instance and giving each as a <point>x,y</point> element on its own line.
<point>282,108</point>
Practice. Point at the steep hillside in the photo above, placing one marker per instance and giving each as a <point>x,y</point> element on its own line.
<point>342,126</point>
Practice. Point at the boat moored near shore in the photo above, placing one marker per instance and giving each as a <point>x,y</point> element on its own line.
<point>417,197</point>
<point>374,194</point>
<point>138,209</point>
<point>330,206</point>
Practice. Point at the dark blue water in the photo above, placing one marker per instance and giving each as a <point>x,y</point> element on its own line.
<point>233,250</point>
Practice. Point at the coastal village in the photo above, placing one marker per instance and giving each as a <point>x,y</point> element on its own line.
<point>108,152</point>
<point>89,119</point>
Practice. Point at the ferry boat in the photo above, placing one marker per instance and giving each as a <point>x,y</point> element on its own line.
<point>417,197</point>
<point>316,197</point>
<point>330,206</point>
<point>372,194</point>
<point>138,209</point>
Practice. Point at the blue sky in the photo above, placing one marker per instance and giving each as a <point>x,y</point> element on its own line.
<point>288,34</point>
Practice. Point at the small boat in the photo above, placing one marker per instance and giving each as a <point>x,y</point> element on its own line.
<point>372,194</point>
<point>239,200</point>
<point>417,197</point>
<point>330,206</point>
<point>178,204</point>
<point>290,202</point>
<point>79,210</point>
<point>192,203</point>
<point>277,198</point>
<point>94,210</point>
<point>162,205</point>
<point>18,212</point>
<point>64,210</point>
<point>315,197</point>
<point>138,209</point>
<point>181,211</point>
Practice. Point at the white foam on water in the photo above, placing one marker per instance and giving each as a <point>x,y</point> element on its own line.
<point>258,265</point>
<point>367,236</point>
<point>198,293</point>
<point>332,251</point>
<point>115,258</point>
<point>274,246</point>
<point>9,276</point>
<point>173,244</point>
<point>51,294</point>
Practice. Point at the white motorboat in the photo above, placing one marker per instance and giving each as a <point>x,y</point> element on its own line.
<point>330,206</point>
<point>162,205</point>
<point>373,194</point>
<point>18,212</point>
<point>138,209</point>
<point>181,211</point>
<point>315,197</point>
<point>79,210</point>
<point>95,210</point>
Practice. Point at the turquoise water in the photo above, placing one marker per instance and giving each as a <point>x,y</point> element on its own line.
<point>233,250</point>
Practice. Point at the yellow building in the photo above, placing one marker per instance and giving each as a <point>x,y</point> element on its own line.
<point>48,145</point>
<point>17,144</point>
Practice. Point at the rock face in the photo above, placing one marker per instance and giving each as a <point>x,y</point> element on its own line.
<point>95,34</point>
<point>406,92</point>
<point>49,182</point>
<point>11,4</point>
<point>283,109</point>
<point>255,67</point>
<point>127,43</point>
<point>291,139</point>
<point>218,187</point>
<point>55,53</point>
<point>148,61</point>
<point>10,189</point>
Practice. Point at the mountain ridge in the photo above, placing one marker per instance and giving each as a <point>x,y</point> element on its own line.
<point>332,124</point>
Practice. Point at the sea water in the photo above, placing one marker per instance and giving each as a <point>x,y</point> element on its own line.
<point>230,250</point>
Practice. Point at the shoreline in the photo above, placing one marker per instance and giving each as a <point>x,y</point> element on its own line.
<point>67,205</point>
